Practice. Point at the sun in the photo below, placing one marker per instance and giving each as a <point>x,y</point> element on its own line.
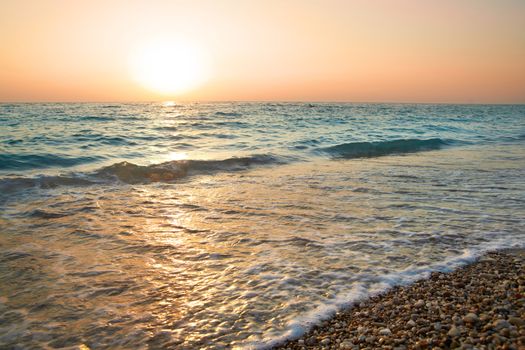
<point>169,67</point>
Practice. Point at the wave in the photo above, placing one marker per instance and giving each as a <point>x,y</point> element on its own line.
<point>96,118</point>
<point>130,173</point>
<point>32,161</point>
<point>227,114</point>
<point>383,148</point>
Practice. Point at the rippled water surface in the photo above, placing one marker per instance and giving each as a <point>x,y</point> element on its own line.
<point>238,225</point>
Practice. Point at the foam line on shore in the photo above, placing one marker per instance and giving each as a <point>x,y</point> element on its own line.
<point>359,292</point>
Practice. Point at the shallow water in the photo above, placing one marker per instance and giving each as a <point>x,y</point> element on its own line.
<point>237,225</point>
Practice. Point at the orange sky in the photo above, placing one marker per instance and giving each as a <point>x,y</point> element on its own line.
<point>349,50</point>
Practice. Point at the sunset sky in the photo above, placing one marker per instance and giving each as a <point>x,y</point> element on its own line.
<point>469,51</point>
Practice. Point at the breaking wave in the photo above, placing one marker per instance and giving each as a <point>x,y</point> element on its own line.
<point>169,171</point>
<point>132,173</point>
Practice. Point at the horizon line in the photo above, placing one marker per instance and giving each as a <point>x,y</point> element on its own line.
<point>260,101</point>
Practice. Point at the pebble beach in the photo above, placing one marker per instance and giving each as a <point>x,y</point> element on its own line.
<point>479,306</point>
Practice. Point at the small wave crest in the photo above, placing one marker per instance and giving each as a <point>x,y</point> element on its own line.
<point>383,148</point>
<point>169,171</point>
<point>96,118</point>
<point>227,114</point>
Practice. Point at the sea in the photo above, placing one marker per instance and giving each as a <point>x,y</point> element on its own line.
<point>239,225</point>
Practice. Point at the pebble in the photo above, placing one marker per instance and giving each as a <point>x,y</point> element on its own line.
<point>346,345</point>
<point>419,303</point>
<point>499,324</point>
<point>325,341</point>
<point>361,330</point>
<point>385,332</point>
<point>471,318</point>
<point>516,321</point>
<point>371,339</point>
<point>454,332</point>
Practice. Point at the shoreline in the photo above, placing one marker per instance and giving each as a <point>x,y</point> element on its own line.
<point>477,306</point>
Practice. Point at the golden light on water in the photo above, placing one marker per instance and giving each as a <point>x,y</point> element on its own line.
<point>168,104</point>
<point>169,66</point>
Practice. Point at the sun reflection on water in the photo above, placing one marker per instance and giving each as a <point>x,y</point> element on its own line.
<point>169,104</point>
<point>177,156</point>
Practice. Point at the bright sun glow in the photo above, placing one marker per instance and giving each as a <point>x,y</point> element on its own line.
<point>169,67</point>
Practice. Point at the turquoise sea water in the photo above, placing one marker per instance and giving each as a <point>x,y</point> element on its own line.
<point>239,224</point>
